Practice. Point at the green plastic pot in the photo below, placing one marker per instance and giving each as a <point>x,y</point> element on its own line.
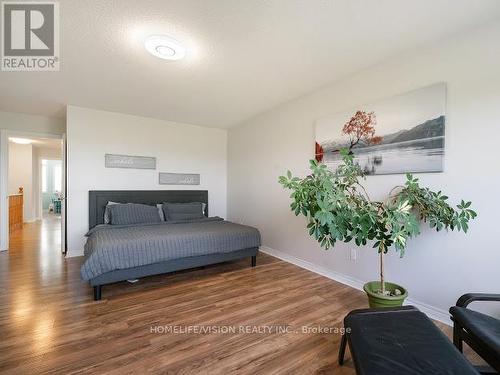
<point>377,300</point>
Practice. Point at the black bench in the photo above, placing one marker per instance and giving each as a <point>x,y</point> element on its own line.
<point>399,341</point>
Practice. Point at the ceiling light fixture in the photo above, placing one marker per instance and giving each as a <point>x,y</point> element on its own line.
<point>21,141</point>
<point>164,47</point>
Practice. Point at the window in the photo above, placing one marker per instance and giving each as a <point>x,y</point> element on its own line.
<point>51,176</point>
<point>44,176</point>
<point>58,177</point>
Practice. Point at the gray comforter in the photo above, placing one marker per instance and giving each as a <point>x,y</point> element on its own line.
<point>113,247</point>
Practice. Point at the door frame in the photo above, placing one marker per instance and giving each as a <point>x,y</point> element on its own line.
<point>4,180</point>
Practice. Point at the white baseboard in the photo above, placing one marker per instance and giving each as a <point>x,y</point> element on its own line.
<point>74,254</point>
<point>431,311</point>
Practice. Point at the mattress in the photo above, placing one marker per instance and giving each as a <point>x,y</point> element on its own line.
<point>114,247</point>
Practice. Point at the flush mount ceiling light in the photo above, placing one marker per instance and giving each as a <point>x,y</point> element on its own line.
<point>20,141</point>
<point>164,47</point>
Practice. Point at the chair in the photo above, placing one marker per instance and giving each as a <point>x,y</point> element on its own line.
<point>397,341</point>
<point>480,331</point>
<point>57,206</point>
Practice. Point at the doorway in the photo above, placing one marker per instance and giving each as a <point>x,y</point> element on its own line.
<point>33,185</point>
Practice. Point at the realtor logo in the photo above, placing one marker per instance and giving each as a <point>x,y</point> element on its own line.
<point>30,36</point>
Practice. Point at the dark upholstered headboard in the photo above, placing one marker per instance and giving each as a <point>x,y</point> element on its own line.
<point>99,198</point>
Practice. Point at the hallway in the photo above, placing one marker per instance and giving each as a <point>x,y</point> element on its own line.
<point>42,237</point>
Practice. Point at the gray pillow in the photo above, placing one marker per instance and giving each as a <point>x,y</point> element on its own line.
<point>183,211</point>
<point>133,213</point>
<point>107,215</point>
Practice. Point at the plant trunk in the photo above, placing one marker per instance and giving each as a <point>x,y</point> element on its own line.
<point>382,282</point>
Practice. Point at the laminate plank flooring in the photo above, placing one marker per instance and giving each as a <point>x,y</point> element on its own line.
<point>222,319</point>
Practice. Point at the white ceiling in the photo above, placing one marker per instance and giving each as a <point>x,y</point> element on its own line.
<point>244,56</point>
<point>45,143</point>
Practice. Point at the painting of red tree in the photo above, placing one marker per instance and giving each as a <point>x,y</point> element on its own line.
<point>361,128</point>
<point>399,134</point>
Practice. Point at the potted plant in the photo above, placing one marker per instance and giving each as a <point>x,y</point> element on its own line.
<point>338,208</point>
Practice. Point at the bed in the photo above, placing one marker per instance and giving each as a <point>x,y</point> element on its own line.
<point>115,253</point>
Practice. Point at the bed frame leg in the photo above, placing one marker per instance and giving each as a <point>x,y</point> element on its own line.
<point>97,292</point>
<point>254,260</point>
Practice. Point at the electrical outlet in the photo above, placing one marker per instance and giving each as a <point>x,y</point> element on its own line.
<point>353,255</point>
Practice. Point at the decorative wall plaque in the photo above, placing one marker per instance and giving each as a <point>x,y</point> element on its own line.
<point>179,178</point>
<point>129,161</point>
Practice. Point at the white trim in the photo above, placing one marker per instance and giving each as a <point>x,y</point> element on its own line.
<point>431,311</point>
<point>25,134</point>
<point>4,190</point>
<point>64,192</point>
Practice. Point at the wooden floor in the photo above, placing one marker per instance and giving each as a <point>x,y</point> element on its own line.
<point>49,322</point>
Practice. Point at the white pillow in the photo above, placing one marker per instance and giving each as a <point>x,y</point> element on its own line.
<point>160,211</point>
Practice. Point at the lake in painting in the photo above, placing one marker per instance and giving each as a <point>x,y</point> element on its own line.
<point>401,134</point>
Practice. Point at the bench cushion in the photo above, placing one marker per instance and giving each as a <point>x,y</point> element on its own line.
<point>401,341</point>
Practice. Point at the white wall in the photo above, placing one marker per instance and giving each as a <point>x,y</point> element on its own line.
<point>438,267</point>
<point>20,174</point>
<point>178,147</point>
<point>35,173</point>
<point>24,170</point>
<point>31,123</point>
